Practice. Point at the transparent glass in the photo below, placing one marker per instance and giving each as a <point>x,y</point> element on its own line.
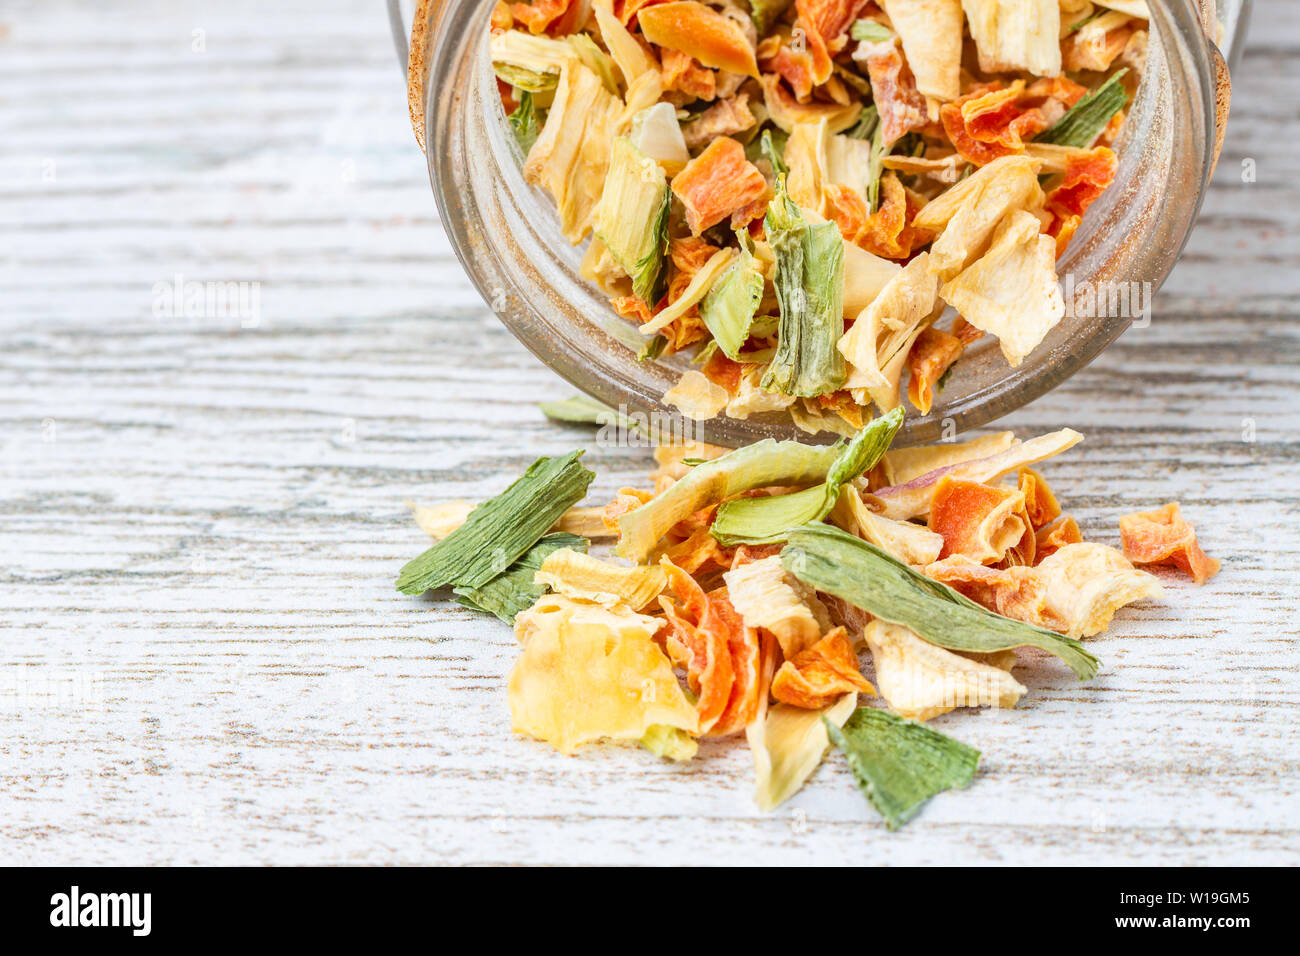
<point>507,235</point>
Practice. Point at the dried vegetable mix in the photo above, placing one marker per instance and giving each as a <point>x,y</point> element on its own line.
<point>826,201</point>
<point>767,591</point>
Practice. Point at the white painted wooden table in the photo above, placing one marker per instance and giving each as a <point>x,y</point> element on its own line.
<point>202,658</point>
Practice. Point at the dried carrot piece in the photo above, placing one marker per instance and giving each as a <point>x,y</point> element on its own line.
<point>931,356</point>
<point>888,232</point>
<point>680,72</point>
<point>815,677</point>
<point>540,16</point>
<point>893,88</point>
<point>1056,536</point>
<point>990,122</point>
<point>826,24</point>
<point>717,183</point>
<point>1163,536</point>
<point>975,519</point>
<point>694,29</point>
<point>1086,178</point>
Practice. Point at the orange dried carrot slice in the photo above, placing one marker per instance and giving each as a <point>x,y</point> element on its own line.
<point>1056,536</point>
<point>1086,177</point>
<point>826,24</point>
<point>1163,536</point>
<point>698,643</point>
<point>815,677</point>
<point>990,122</point>
<point>721,370</point>
<point>931,356</point>
<point>796,68</point>
<point>699,32</point>
<point>1040,503</point>
<point>717,183</point>
<point>975,519</point>
<point>1062,228</point>
<point>893,88</point>
<point>723,658</point>
<point>540,16</point>
<point>680,72</point>
<point>888,232</point>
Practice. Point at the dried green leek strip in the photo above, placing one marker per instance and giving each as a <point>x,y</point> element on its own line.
<point>774,151</point>
<point>765,463</point>
<point>728,308</point>
<point>515,590</point>
<point>869,31</point>
<point>1084,121</point>
<point>524,122</point>
<point>765,13</point>
<point>899,764</point>
<point>766,520</point>
<point>580,409</point>
<point>530,81</point>
<point>501,529</point>
<point>838,563</point>
<point>652,349</point>
<point>810,291</point>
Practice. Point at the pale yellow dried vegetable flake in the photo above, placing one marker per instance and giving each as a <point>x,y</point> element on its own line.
<point>969,231</point>
<point>582,577</point>
<point>769,597</point>
<point>788,744</point>
<point>901,465</point>
<point>877,345</point>
<point>1016,35</point>
<point>931,32</point>
<point>696,397</point>
<point>921,680</point>
<point>588,673</point>
<point>1085,584</point>
<point>909,543</point>
<point>1012,291</point>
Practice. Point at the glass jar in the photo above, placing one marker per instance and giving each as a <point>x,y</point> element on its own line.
<point>507,234</point>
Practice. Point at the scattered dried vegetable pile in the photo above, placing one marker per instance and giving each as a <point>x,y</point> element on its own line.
<point>752,579</point>
<point>796,189</point>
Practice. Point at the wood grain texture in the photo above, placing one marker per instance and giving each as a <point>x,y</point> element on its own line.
<point>202,659</point>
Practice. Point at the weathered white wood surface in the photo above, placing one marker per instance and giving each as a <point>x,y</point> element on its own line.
<point>202,659</point>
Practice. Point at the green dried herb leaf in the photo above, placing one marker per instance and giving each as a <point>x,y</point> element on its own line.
<point>765,13</point>
<point>530,81</point>
<point>524,122</point>
<point>771,145</point>
<point>585,410</point>
<point>515,590</point>
<point>899,764</point>
<point>1085,120</point>
<point>1086,20</point>
<point>810,291</point>
<point>764,463</point>
<point>500,530</point>
<point>728,308</point>
<point>866,124</point>
<point>876,166</point>
<point>838,563</point>
<point>869,31</point>
<point>766,520</point>
<point>652,349</point>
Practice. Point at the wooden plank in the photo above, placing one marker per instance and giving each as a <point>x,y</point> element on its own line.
<point>204,659</point>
